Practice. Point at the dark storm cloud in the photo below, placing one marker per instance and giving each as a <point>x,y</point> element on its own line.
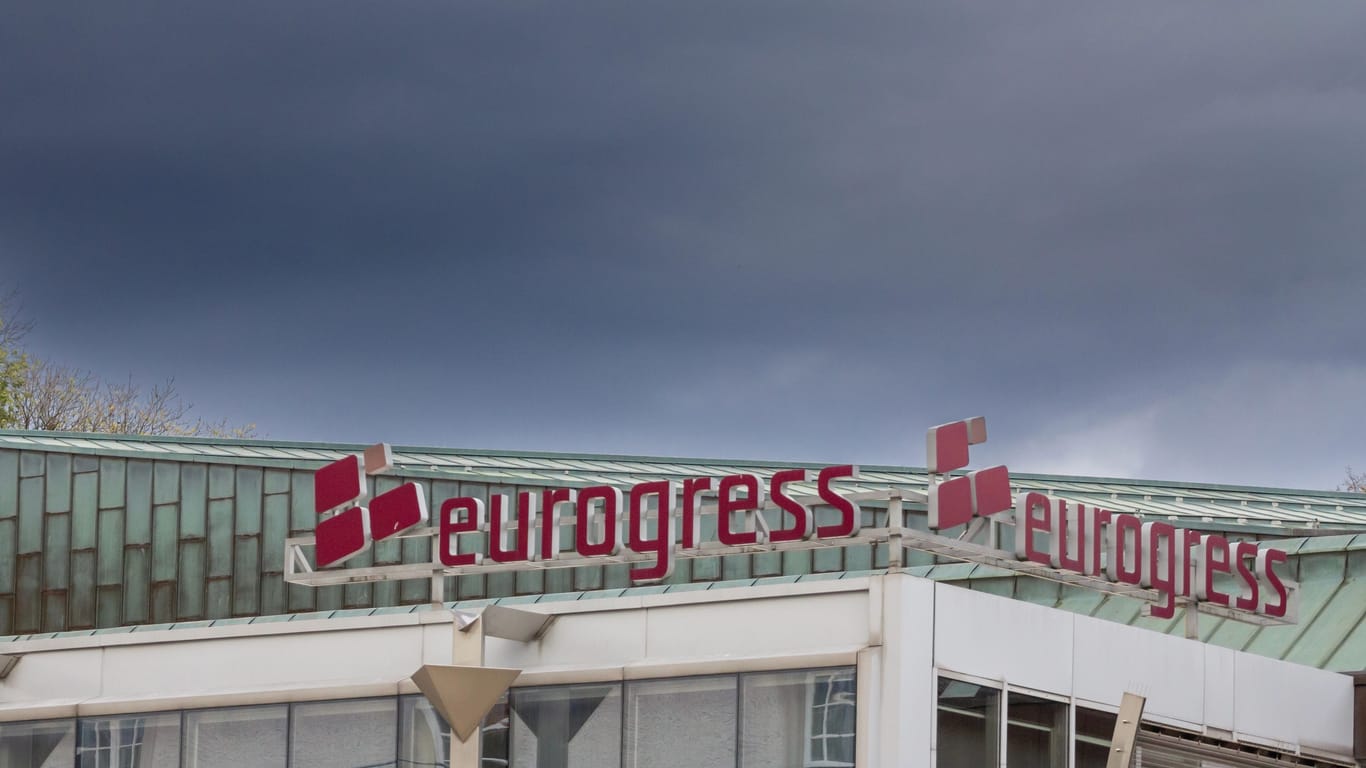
<point>768,229</point>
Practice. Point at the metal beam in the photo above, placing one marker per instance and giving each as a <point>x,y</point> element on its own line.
<point>1126,730</point>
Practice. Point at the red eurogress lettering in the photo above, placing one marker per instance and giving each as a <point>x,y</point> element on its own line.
<point>1174,562</point>
<point>607,522</point>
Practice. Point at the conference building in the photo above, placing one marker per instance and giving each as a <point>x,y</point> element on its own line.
<point>206,602</point>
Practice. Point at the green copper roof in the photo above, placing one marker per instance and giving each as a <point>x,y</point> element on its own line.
<point>1195,501</point>
<point>99,532</point>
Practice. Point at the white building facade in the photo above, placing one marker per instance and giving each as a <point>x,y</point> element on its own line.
<point>870,671</point>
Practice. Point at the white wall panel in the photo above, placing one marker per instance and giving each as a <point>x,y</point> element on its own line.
<point>66,676</point>
<point>757,627</point>
<point>1220,690</point>
<point>269,662</point>
<point>614,638</point>
<point>1002,639</point>
<point>436,643</point>
<point>1293,704</point>
<point>1112,658</point>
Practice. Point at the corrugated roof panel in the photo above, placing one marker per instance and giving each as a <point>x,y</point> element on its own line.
<point>1351,654</point>
<point>1343,612</point>
<point>889,478</point>
<point>510,462</point>
<point>539,478</point>
<point>426,459</point>
<point>1325,544</point>
<point>1277,641</point>
<point>307,455</point>
<point>1124,610</point>
<point>1229,634</point>
<point>1078,600</point>
<point>273,453</point>
<point>56,442</point>
<point>478,461</point>
<point>1166,626</point>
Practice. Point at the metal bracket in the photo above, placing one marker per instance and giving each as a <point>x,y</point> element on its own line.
<point>8,661</point>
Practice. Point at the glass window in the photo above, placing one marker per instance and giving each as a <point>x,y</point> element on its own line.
<point>1036,732</point>
<point>424,736</point>
<point>1094,730</point>
<point>229,738</point>
<point>424,739</point>
<point>566,726</point>
<point>968,732</point>
<point>335,734</point>
<point>136,741</point>
<point>682,723</point>
<point>801,718</point>
<point>47,744</point>
<point>494,733</point>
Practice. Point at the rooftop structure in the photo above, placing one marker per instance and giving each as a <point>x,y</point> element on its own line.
<point>111,533</point>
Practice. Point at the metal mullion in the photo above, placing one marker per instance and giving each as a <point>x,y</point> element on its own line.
<point>1072,733</point>
<point>625,705</point>
<point>289,734</point>
<point>739,718</point>
<point>1002,712</point>
<point>398,730</point>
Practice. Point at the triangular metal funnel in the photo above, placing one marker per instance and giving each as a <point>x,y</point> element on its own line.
<point>463,695</point>
<point>508,623</point>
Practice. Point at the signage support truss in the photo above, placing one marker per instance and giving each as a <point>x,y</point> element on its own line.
<point>896,535</point>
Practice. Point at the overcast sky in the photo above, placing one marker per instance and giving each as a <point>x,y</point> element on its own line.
<point>1132,235</point>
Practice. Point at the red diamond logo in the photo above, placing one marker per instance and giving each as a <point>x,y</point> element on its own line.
<point>342,484</point>
<point>341,537</point>
<point>394,512</point>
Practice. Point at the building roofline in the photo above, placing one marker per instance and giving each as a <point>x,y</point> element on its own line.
<point>224,442</point>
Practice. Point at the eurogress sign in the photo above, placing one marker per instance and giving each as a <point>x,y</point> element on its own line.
<point>653,523</point>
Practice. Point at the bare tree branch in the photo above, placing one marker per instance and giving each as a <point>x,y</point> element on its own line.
<point>13,362</point>
<point>55,398</point>
<point>13,326</point>
<point>42,395</point>
<point>1356,482</point>
<point>60,398</point>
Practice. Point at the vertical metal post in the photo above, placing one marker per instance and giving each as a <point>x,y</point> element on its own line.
<point>1060,739</point>
<point>467,649</point>
<point>896,518</point>
<point>438,590</point>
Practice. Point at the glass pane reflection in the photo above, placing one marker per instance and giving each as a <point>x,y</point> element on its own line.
<point>48,744</point>
<point>424,739</point>
<point>567,726</point>
<point>1036,734</point>
<point>229,738</point>
<point>680,723</point>
<point>136,741</point>
<point>341,734</point>
<point>797,718</point>
<point>1094,730</point>
<point>969,717</point>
